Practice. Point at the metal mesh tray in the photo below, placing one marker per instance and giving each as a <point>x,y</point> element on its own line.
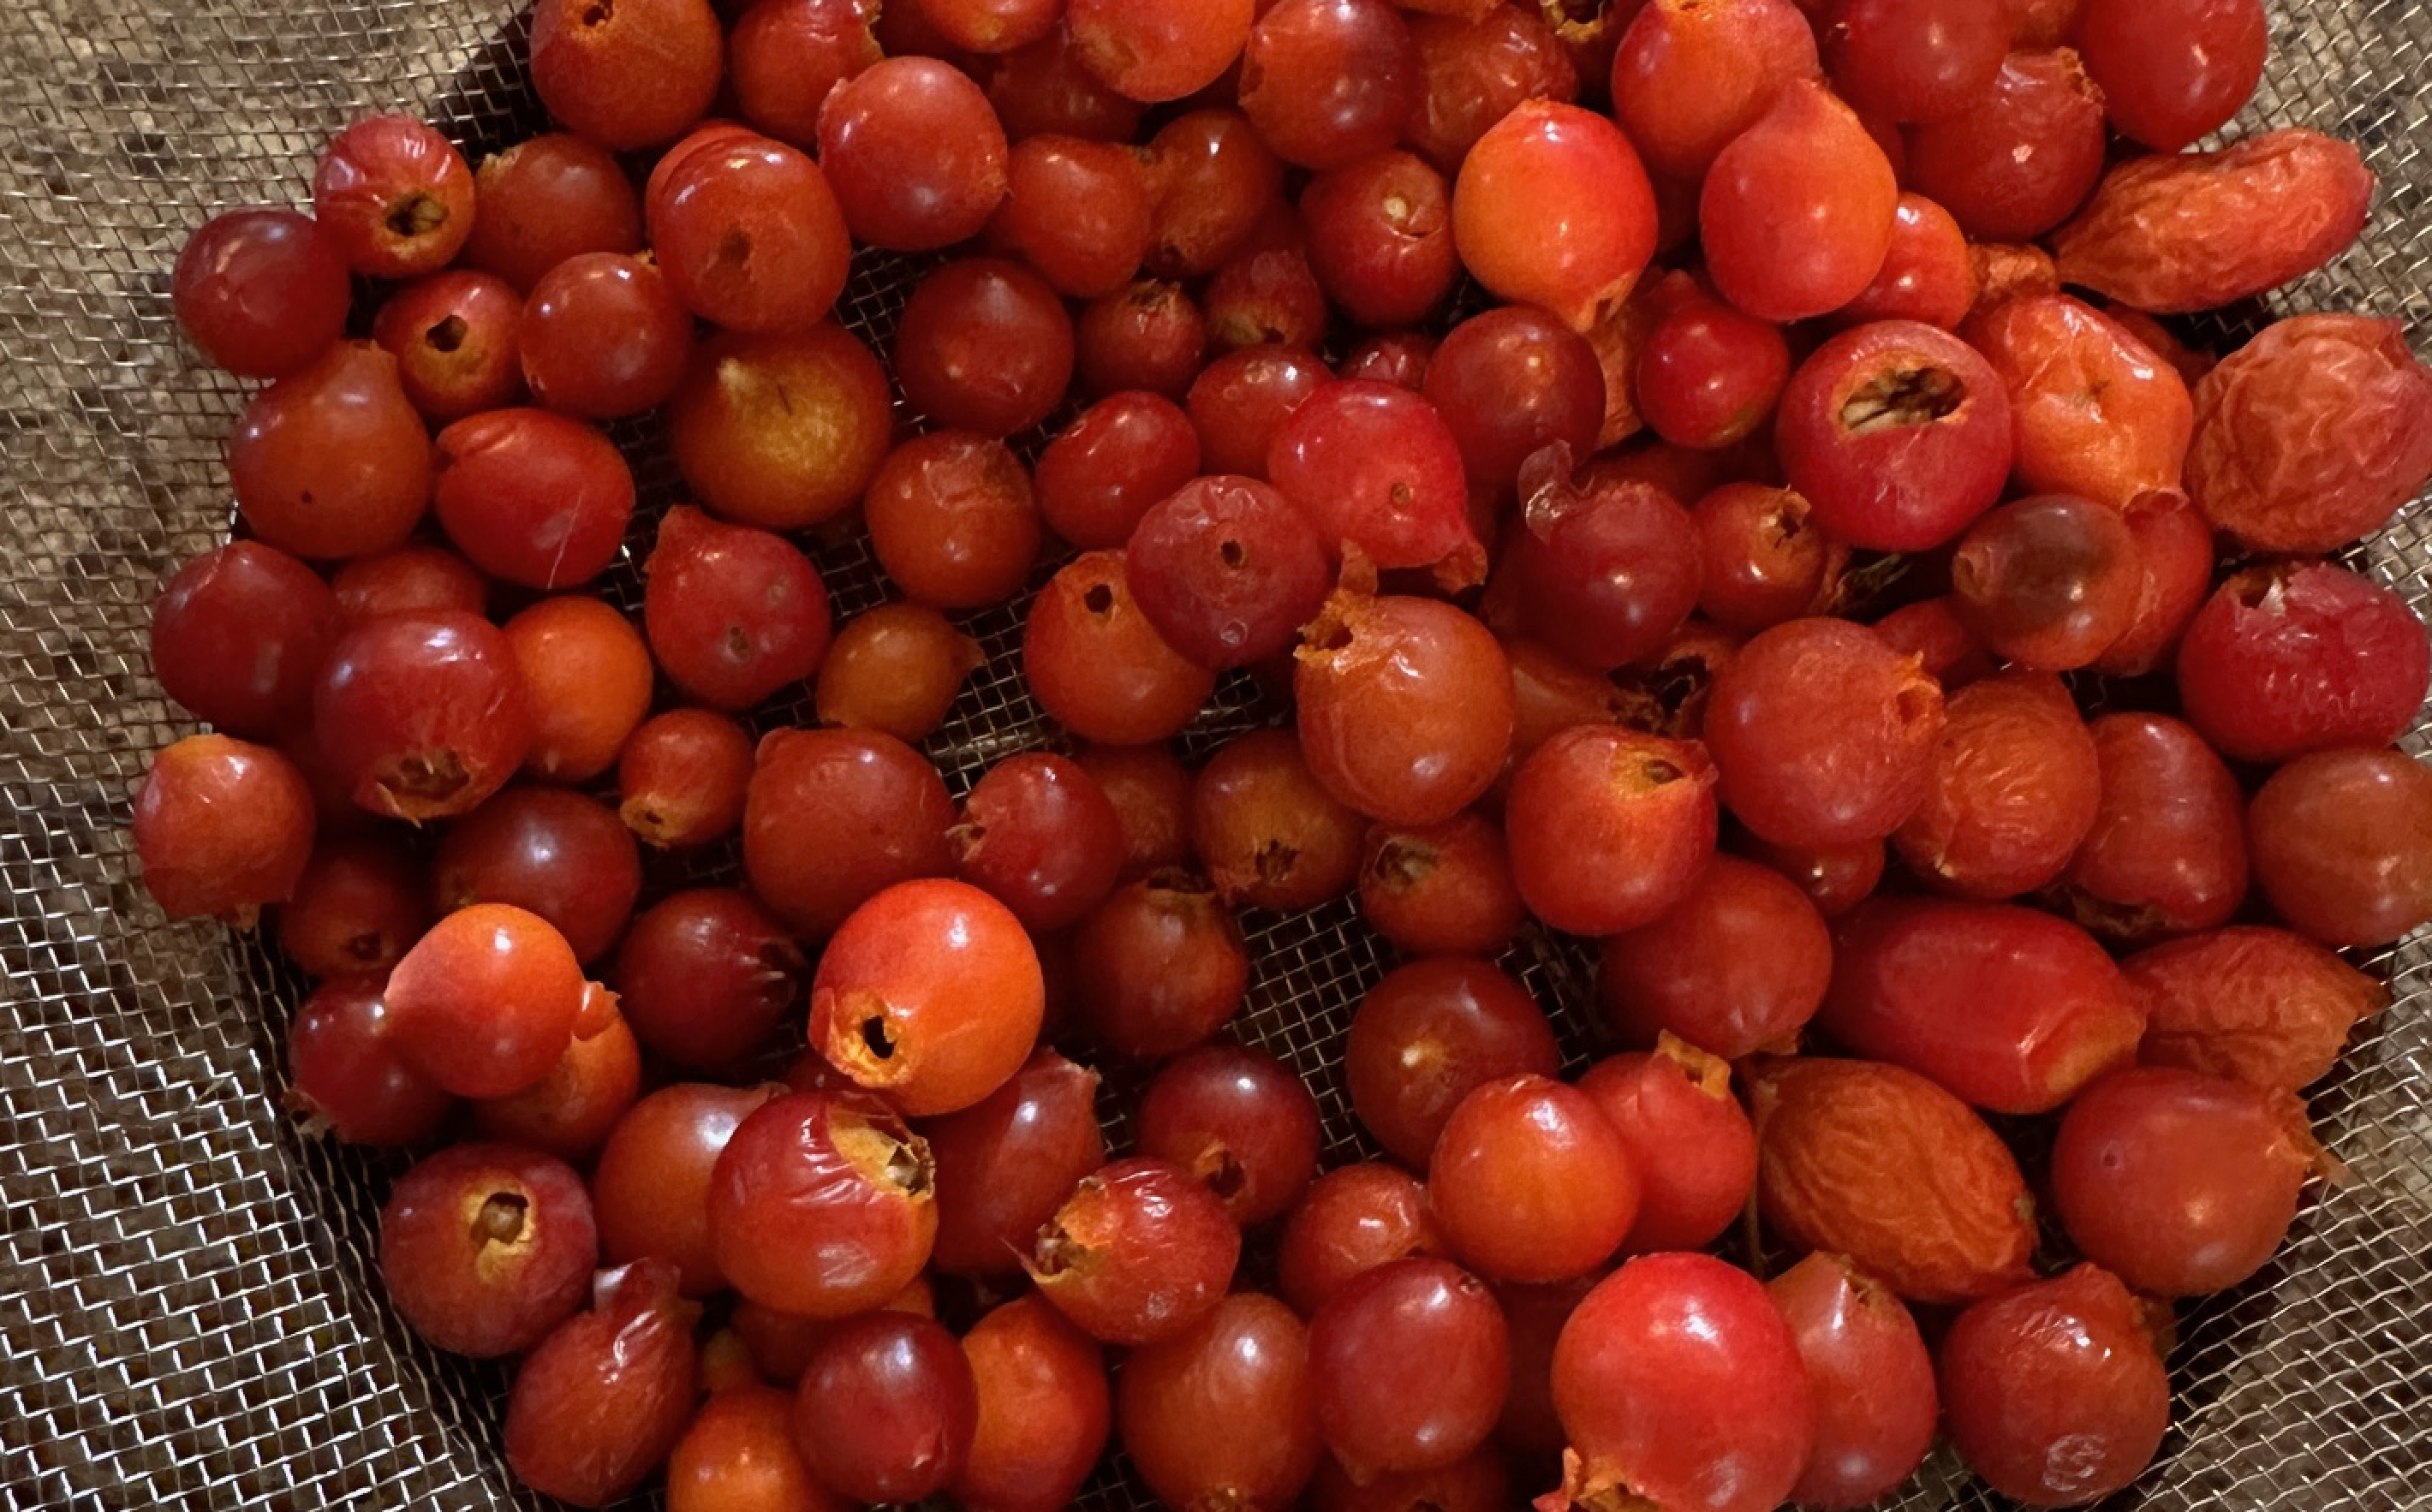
<point>190,1313</point>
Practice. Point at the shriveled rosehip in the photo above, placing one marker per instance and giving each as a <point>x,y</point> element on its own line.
<point>732,613</point>
<point>1691,1146</point>
<point>1441,890</point>
<point>822,1204</point>
<point>1579,264</point>
<point>2014,789</point>
<point>262,291</point>
<point>2047,1012</point>
<point>1823,735</point>
<point>633,73</point>
<point>1405,706</point>
<point>1410,1363</point>
<point>485,1003</point>
<point>985,345</point>
<point>1043,1410</point>
<point>886,1409</point>
<point>1739,964</point>
<point>1160,966</point>
<point>1268,834</point>
<point>239,634</point>
<point>2166,853</point>
<point>1040,836</point>
<point>2096,412</point>
<point>2052,1391</point>
<point>2296,657</point>
<point>1610,829</point>
<point>1428,1035</point>
<point>1138,1253</point>
<point>456,338</point>
<point>1899,435</point>
<point>749,235</point>
<point>1531,1181</point>
<point>1678,1381</point>
<point>1869,1376</point>
<point>333,460</point>
<point>546,199</point>
<point>1224,1413</point>
<point>1096,662</point>
<point>1806,162</point>
<point>2025,153</point>
<point>2342,844</point>
<point>395,198</point>
<point>682,775</point>
<point>740,425</point>
<point>835,815</point>
<point>603,337</point>
<point>423,716</point>
<point>1159,51</point>
<point>1241,1120</point>
<point>953,520</point>
<point>1008,1162</point>
<point>552,851</point>
<point>704,974</point>
<point>484,1249</point>
<point>345,1077</point>
<point>651,1187</point>
<point>1474,67</point>
<point>2252,1004</point>
<point>1883,1166</point>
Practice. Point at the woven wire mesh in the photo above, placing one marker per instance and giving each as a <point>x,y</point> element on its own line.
<point>189,1307</point>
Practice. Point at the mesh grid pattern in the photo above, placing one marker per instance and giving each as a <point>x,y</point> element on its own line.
<point>189,1306</point>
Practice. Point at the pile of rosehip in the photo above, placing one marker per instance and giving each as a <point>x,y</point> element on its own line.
<point>1696,574</point>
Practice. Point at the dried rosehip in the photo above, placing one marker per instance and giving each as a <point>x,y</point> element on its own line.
<point>2312,434</point>
<point>2014,790</point>
<point>1881,1165</point>
<point>822,1204</point>
<point>2253,1003</point>
<point>2171,234</point>
<point>2094,412</point>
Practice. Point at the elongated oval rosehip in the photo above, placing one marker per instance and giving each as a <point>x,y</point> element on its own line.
<point>2046,1012</point>
<point>2250,1002</point>
<point>1796,212</point>
<point>1881,1165</point>
<point>1677,1382</point>
<point>1690,1142</point>
<point>1871,1377</point>
<point>1138,1253</point>
<point>1578,265</point>
<point>2053,1391</point>
<point>2295,657</point>
<point>822,1204</point>
<point>1898,434</point>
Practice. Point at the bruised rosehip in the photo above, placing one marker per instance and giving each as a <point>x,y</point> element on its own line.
<point>1138,1252</point>
<point>2048,1011</point>
<point>546,199</point>
<point>1738,965</point>
<point>1428,1035</point>
<point>2250,1002</point>
<point>1871,1378</point>
<point>1043,1410</point>
<point>2166,853</point>
<point>2014,789</point>
<point>682,775</point>
<point>532,498</point>
<point>1410,1363</point>
<point>1578,265</point>
<point>1405,706</point>
<point>2054,1392</point>
<point>1881,1165</point>
<point>953,520</point>
<point>1677,1381</point>
<point>1241,1122</point>
<point>629,1360</point>
<point>1008,1162</point>
<point>2296,657</point>
<point>1531,1181</point>
<point>1690,1142</point>
<point>822,1204</point>
<point>1822,733</point>
<point>1269,835</point>
<point>1224,1413</point>
<point>2178,1183</point>
<point>1898,434</point>
<point>732,613</point>
<point>1610,829</point>
<point>221,828</point>
<point>484,1249</point>
<point>1474,67</point>
<point>2048,582</point>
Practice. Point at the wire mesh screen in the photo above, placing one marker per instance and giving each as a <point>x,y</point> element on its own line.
<point>189,1306</point>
